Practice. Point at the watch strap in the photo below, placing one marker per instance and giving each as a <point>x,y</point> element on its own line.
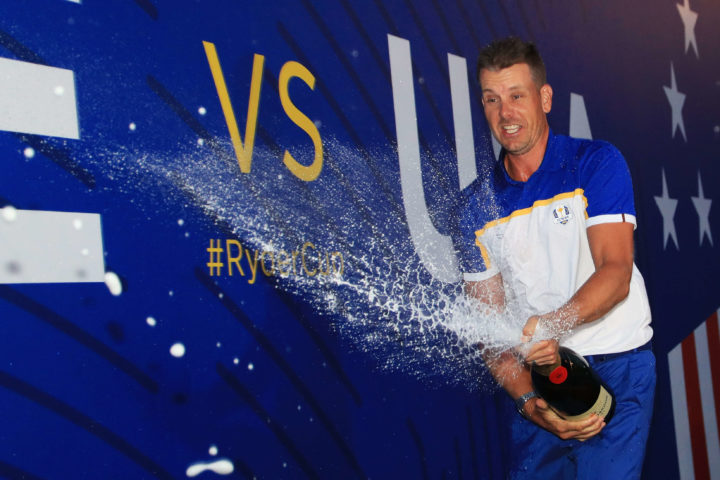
<point>522,400</point>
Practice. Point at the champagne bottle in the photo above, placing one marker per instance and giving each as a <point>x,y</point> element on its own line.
<point>572,388</point>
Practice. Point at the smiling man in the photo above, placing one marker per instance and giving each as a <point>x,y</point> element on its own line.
<point>549,235</point>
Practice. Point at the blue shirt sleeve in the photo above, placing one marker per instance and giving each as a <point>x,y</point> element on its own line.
<point>605,177</point>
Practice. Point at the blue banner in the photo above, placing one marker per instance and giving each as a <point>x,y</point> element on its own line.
<point>224,229</point>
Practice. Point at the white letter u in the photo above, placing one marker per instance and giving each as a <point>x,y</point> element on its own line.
<point>435,250</point>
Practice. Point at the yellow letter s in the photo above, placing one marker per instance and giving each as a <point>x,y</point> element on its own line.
<point>310,172</point>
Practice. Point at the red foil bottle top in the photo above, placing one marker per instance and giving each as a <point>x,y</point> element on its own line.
<point>559,375</point>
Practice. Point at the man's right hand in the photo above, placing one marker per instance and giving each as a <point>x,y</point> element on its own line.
<point>541,414</point>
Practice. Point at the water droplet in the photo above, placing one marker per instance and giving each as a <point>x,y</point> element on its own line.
<point>202,111</point>
<point>9,213</point>
<point>220,467</point>
<point>177,350</point>
<point>213,450</point>
<point>251,367</point>
<point>113,283</point>
<point>132,126</point>
<point>151,321</point>
<point>77,224</point>
<point>12,267</point>
<point>29,152</point>
<point>59,90</point>
<point>181,222</point>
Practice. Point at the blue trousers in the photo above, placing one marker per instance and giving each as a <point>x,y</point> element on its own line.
<point>617,452</point>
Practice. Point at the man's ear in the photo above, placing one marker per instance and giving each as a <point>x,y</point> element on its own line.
<point>546,94</point>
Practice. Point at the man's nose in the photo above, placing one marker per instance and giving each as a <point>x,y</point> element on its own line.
<point>504,111</point>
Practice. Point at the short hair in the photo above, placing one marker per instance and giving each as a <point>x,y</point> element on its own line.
<point>509,51</point>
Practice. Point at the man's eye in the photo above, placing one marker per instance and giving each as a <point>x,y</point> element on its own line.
<point>517,96</point>
<point>491,100</point>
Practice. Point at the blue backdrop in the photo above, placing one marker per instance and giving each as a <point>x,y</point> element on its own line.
<point>269,294</point>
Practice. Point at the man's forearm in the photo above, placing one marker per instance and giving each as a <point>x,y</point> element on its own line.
<point>612,251</point>
<point>605,288</point>
<point>509,371</point>
<point>505,366</point>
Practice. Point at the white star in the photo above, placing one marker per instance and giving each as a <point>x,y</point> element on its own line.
<point>676,100</point>
<point>667,208</point>
<point>702,206</point>
<point>689,18</point>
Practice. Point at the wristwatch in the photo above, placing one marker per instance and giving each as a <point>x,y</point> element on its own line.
<point>522,400</point>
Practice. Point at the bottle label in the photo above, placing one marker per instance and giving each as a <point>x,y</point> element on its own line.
<point>601,407</point>
<point>559,375</point>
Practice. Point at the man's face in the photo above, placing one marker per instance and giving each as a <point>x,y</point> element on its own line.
<point>515,107</point>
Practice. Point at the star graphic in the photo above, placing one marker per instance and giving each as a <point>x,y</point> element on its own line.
<point>676,99</point>
<point>667,208</point>
<point>702,206</point>
<point>689,18</point>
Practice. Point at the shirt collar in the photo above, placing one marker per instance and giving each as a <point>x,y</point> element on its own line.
<point>550,162</point>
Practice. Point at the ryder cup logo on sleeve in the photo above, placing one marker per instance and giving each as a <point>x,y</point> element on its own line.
<point>562,214</point>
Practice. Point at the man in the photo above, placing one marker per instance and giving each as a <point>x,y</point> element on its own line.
<point>550,234</point>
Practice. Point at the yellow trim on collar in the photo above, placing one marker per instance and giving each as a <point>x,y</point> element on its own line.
<point>521,212</point>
